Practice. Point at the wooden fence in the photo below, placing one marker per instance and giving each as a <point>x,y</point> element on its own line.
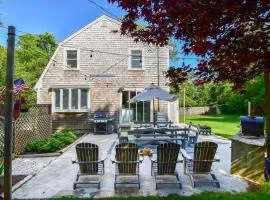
<point>30,126</point>
<point>200,110</point>
<point>33,125</point>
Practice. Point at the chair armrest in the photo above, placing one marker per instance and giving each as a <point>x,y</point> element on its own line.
<point>113,158</point>
<point>141,158</point>
<point>74,161</point>
<point>104,156</point>
<point>215,160</point>
<point>152,159</point>
<point>185,155</point>
<point>86,162</point>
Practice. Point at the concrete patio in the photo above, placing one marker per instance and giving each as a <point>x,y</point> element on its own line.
<point>55,176</point>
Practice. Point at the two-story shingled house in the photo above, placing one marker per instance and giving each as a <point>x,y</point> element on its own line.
<point>98,69</point>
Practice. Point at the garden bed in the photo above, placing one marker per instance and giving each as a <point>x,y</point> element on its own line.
<point>16,179</point>
<point>55,145</point>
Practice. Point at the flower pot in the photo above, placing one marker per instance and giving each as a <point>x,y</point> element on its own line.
<point>267,169</point>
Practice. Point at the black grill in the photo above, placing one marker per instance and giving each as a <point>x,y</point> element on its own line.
<point>252,126</point>
<point>103,124</point>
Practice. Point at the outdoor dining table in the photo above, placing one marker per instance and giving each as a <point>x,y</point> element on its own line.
<point>150,140</point>
<point>159,130</point>
<point>153,134</point>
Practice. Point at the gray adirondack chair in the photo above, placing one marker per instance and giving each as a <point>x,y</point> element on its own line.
<point>89,163</point>
<point>201,163</point>
<point>165,163</point>
<point>127,162</point>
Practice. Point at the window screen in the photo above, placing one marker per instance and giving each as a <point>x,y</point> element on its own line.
<point>72,59</point>
<point>136,59</point>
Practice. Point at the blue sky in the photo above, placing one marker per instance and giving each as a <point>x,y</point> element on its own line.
<point>60,17</point>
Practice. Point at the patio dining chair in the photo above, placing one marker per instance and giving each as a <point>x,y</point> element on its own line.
<point>162,120</point>
<point>201,163</point>
<point>165,163</point>
<point>193,134</point>
<point>89,163</point>
<point>127,162</point>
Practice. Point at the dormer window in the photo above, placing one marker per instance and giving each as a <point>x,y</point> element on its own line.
<point>136,59</point>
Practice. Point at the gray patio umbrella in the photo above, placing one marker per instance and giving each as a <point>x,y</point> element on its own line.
<point>153,92</point>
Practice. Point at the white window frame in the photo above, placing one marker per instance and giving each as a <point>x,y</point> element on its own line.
<point>130,59</point>
<point>54,110</point>
<point>65,58</point>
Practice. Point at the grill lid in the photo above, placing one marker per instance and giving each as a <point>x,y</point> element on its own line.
<point>101,115</point>
<point>252,126</point>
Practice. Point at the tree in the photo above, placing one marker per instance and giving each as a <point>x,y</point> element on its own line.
<point>230,36</point>
<point>3,60</point>
<point>32,55</point>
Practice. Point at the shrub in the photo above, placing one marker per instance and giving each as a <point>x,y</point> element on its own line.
<point>55,142</point>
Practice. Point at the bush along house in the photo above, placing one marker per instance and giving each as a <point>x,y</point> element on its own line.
<point>98,69</point>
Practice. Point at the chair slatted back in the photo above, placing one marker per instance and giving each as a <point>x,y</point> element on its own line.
<point>205,153</point>
<point>127,156</point>
<point>87,152</point>
<point>161,119</point>
<point>167,155</point>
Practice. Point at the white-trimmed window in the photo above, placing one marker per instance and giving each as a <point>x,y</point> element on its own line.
<point>71,59</point>
<point>71,100</point>
<point>136,59</point>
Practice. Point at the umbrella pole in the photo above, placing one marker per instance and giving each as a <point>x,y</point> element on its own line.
<point>154,112</point>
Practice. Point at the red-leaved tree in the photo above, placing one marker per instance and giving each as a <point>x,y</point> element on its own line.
<point>230,36</point>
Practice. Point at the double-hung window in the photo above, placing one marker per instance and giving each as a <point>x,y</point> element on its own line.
<point>72,61</point>
<point>71,100</point>
<point>136,59</point>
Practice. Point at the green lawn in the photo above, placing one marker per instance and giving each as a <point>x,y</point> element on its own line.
<point>223,125</point>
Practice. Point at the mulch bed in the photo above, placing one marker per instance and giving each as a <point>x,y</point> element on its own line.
<point>15,179</point>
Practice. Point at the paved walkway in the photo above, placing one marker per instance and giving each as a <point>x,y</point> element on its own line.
<point>57,178</point>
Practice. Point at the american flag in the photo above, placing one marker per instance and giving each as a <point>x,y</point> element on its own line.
<point>19,85</point>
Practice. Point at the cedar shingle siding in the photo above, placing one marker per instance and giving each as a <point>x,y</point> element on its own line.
<point>105,93</point>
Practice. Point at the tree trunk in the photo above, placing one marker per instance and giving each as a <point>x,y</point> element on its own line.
<point>267,110</point>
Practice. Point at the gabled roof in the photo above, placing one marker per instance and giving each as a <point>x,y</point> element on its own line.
<point>69,38</point>
<point>37,85</point>
<point>102,17</point>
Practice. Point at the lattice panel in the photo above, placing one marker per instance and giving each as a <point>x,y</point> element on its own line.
<point>2,131</point>
<point>34,125</point>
